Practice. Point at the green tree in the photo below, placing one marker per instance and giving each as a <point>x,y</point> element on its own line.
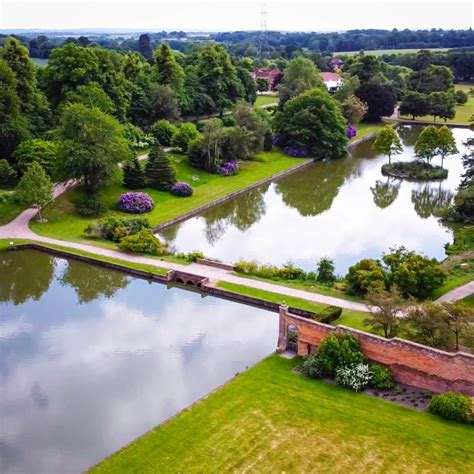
<point>442,104</point>
<point>432,79</point>
<point>299,76</point>
<point>349,85</point>
<point>35,188</point>
<point>248,84</point>
<point>165,104</point>
<point>33,104</point>
<point>13,126</point>
<point>415,104</point>
<point>158,170</point>
<point>250,119</point>
<point>325,271</point>
<point>91,95</point>
<point>163,132</point>
<point>446,143</point>
<point>92,145</point>
<point>8,175</point>
<point>169,71</point>
<point>133,175</point>
<point>206,151</point>
<point>387,143</point>
<point>262,84</point>
<point>313,120</point>
<point>218,76</point>
<point>366,68</point>
<point>427,324</point>
<point>426,146</point>
<point>380,98</point>
<point>354,109</point>
<point>385,308</point>
<point>460,321</point>
<point>44,152</point>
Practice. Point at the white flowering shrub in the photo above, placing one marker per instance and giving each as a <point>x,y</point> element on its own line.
<point>355,377</point>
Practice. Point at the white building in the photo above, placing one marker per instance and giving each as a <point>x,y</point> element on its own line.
<point>332,81</point>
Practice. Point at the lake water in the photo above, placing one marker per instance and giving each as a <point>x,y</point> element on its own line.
<point>90,359</point>
<point>343,209</point>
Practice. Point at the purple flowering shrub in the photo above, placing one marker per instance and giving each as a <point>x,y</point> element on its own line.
<point>182,190</point>
<point>277,140</point>
<point>296,151</point>
<point>229,168</point>
<point>135,203</point>
<point>351,131</point>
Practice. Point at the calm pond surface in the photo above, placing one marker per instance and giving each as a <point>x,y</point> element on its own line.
<point>343,209</point>
<point>90,359</point>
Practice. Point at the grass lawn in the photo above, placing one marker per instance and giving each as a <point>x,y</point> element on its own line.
<point>348,317</point>
<point>9,210</point>
<point>65,224</point>
<point>463,112</point>
<point>138,266</point>
<point>468,301</point>
<point>379,52</point>
<point>306,285</point>
<point>266,100</point>
<point>364,129</point>
<point>270,419</point>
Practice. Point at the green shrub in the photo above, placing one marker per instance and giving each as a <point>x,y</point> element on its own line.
<point>381,377</point>
<point>366,274</point>
<point>325,272</point>
<point>311,366</point>
<point>452,406</point>
<point>90,206</point>
<point>142,242</point>
<point>329,314</point>
<point>461,97</point>
<point>115,228</point>
<point>163,131</point>
<point>288,272</point>
<point>6,196</point>
<point>339,350</point>
<point>356,377</point>
<point>185,134</point>
<point>268,141</point>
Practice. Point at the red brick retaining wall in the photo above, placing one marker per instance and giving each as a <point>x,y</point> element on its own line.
<point>411,363</point>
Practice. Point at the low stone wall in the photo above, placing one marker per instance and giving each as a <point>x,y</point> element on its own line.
<point>229,197</point>
<point>411,363</point>
<point>213,263</point>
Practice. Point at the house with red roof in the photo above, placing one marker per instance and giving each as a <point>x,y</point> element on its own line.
<point>332,81</point>
<point>273,76</point>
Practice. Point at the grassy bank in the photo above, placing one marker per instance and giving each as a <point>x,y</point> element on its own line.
<point>100,258</point>
<point>348,317</point>
<point>364,129</point>
<point>270,419</point>
<point>9,210</point>
<point>63,222</point>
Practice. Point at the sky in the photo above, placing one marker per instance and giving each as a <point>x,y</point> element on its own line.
<point>231,15</point>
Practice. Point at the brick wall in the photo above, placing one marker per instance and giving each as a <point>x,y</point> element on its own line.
<point>411,363</point>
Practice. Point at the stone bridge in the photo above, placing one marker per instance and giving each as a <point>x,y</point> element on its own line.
<point>411,363</point>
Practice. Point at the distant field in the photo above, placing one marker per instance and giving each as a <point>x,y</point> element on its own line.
<point>379,52</point>
<point>40,62</point>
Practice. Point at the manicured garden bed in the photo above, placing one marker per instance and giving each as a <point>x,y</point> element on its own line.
<point>270,419</point>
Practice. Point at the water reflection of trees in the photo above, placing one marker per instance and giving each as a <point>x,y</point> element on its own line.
<point>384,194</point>
<point>313,191</point>
<point>91,282</point>
<point>408,134</point>
<point>242,213</point>
<point>431,201</point>
<point>25,275</point>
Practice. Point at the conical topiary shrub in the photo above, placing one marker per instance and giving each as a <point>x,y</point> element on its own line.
<point>158,170</point>
<point>133,175</point>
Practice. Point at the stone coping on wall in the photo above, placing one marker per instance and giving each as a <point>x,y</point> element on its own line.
<point>233,195</point>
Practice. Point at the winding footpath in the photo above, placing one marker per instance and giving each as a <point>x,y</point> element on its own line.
<point>19,229</point>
